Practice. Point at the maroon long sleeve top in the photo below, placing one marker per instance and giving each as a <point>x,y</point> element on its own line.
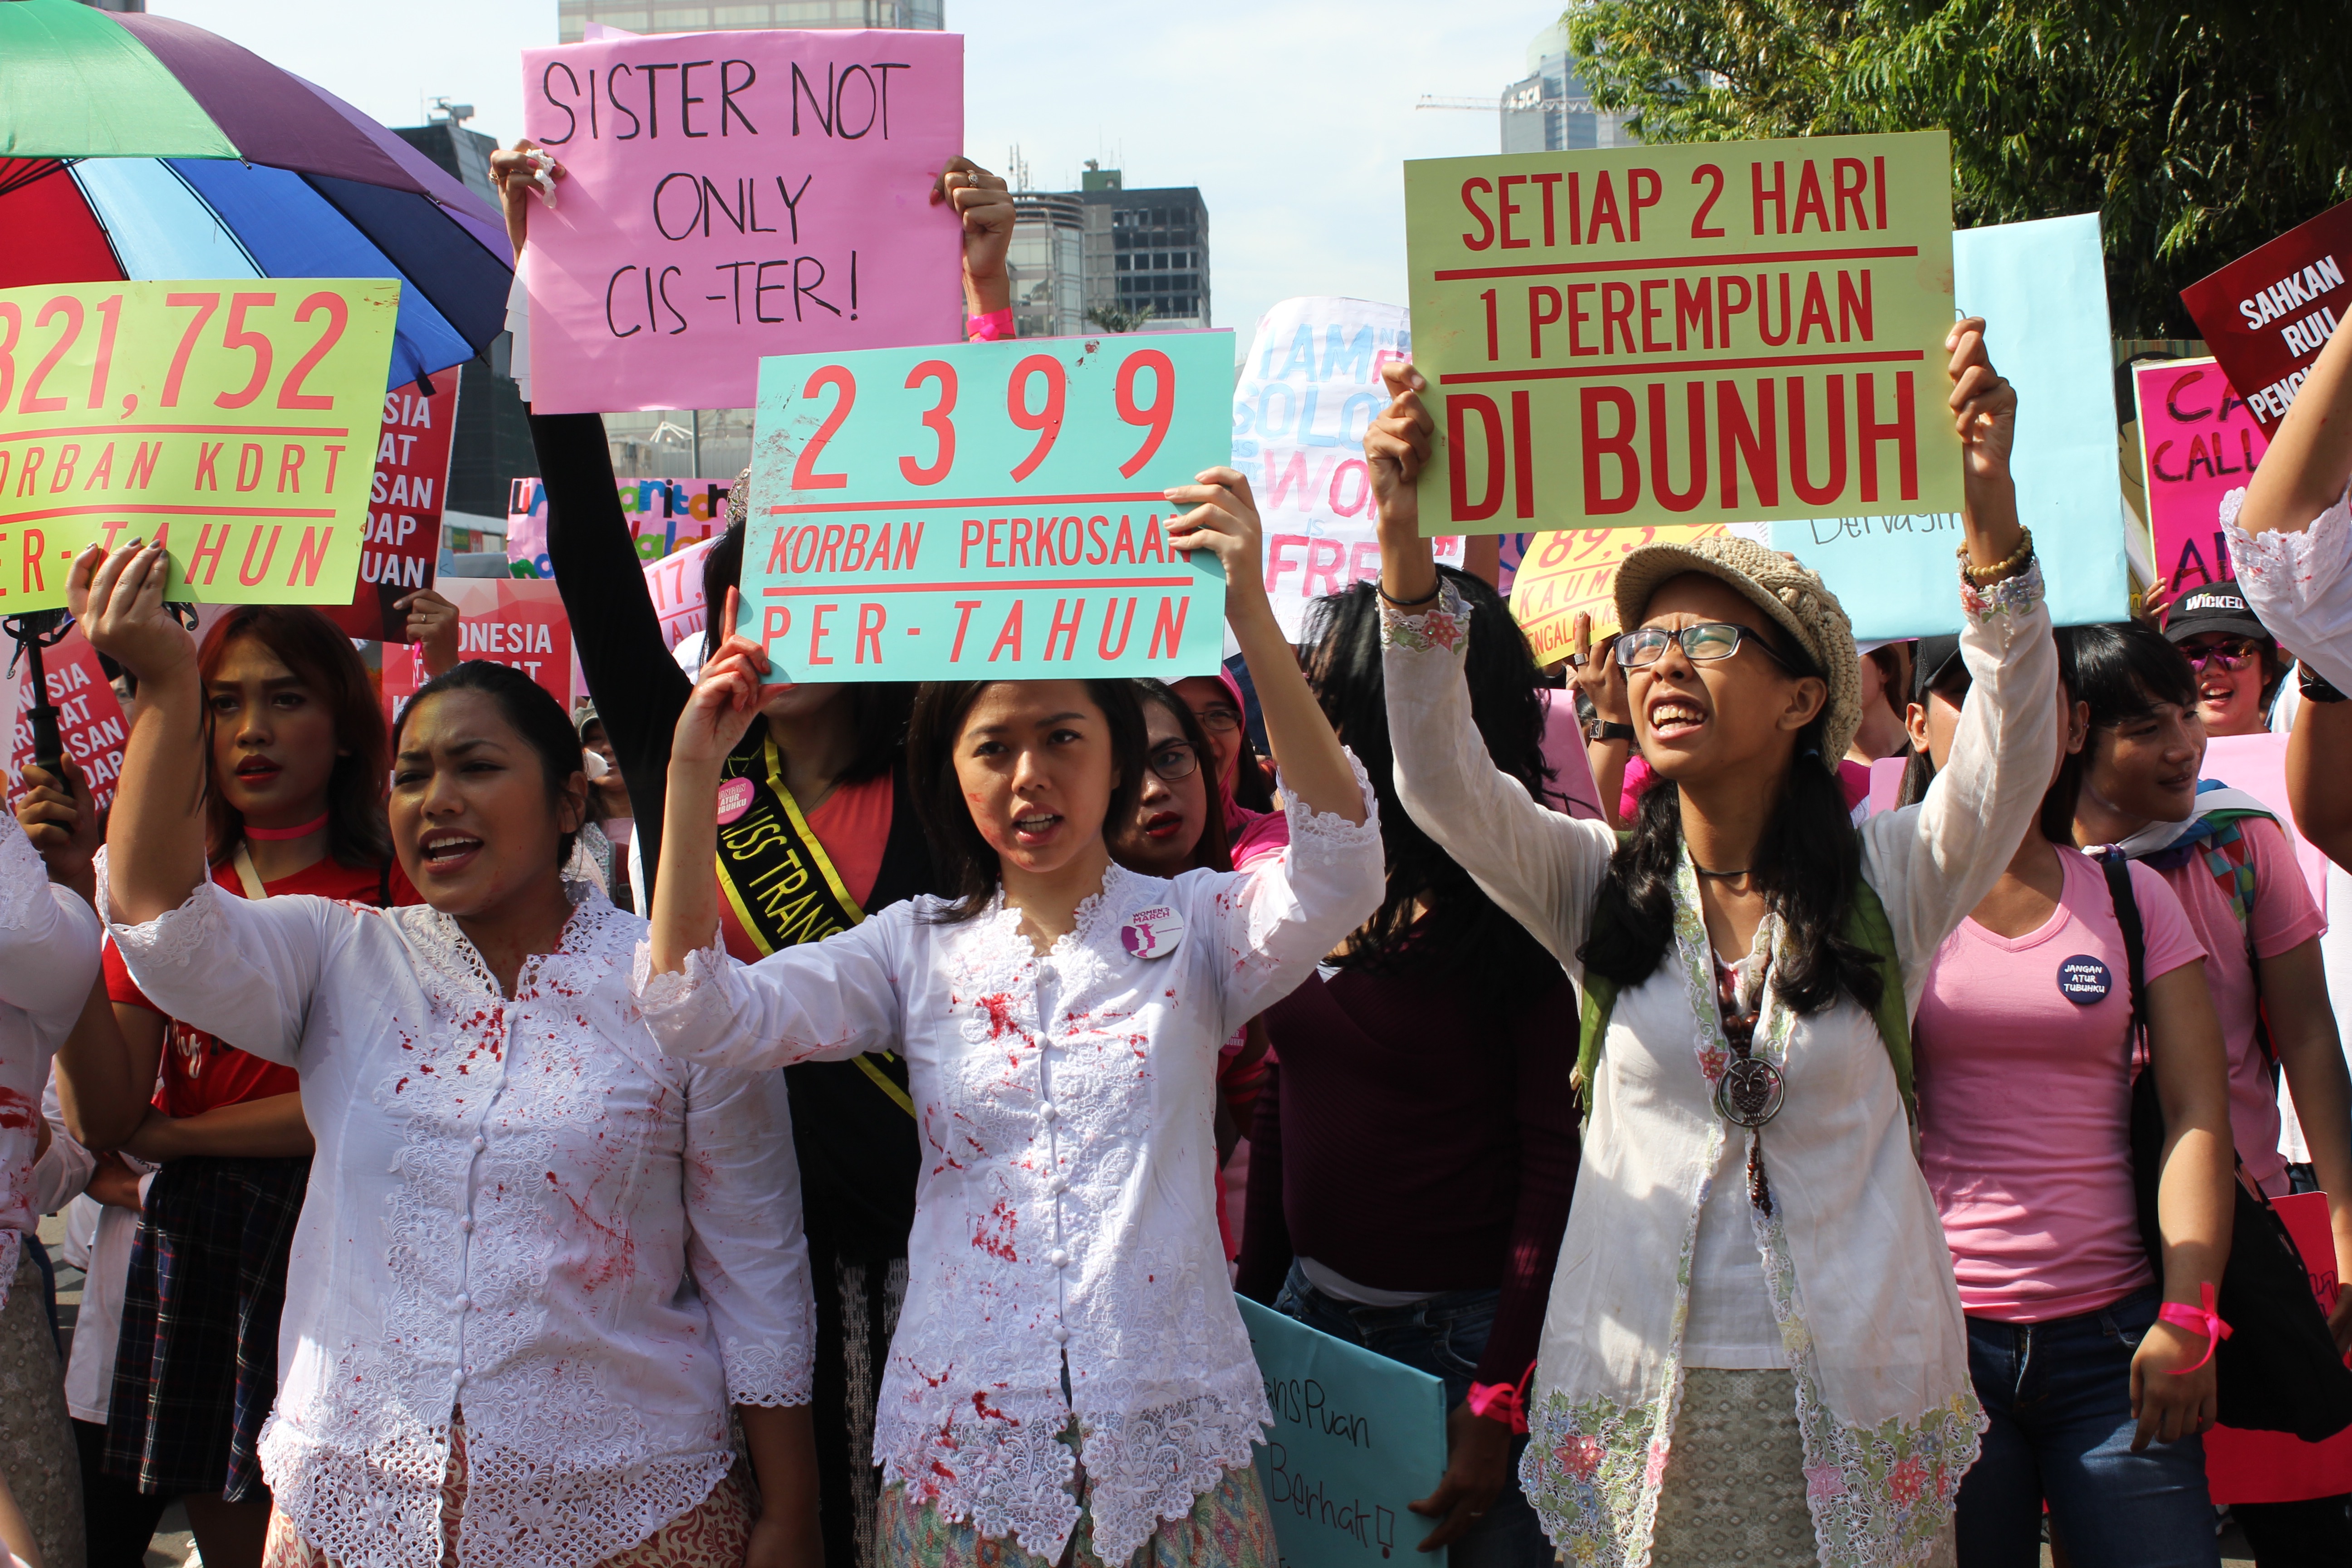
<point>1409,1144</point>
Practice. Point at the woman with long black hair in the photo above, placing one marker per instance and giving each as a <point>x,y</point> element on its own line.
<point>1069,1380</point>
<point>1415,1144</point>
<point>1753,1342</point>
<point>491,1355</point>
<point>815,789</point>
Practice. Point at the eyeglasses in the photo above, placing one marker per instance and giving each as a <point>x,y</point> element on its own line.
<point>1176,760</point>
<point>1219,720</point>
<point>1703,643</point>
<point>2230,653</point>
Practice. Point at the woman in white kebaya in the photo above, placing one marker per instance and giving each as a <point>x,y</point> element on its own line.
<point>1069,1361</point>
<point>537,1261</point>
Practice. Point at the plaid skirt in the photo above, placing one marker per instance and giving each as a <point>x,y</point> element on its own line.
<point>195,1370</point>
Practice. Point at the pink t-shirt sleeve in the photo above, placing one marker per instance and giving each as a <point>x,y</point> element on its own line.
<point>2283,917</point>
<point>1638,778</point>
<point>2171,941</point>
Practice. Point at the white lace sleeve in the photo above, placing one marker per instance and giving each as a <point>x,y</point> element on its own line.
<point>745,1242</point>
<point>1542,867</point>
<point>2300,584</point>
<point>243,969</point>
<point>823,1001</point>
<point>48,938</point>
<point>1278,919</point>
<point>1932,863</point>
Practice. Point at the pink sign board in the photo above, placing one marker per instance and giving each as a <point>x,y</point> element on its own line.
<point>2257,765</point>
<point>2199,441</point>
<point>735,195</point>
<point>674,582</point>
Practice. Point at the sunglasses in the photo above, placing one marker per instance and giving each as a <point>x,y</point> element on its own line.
<point>2232,653</point>
<point>1176,760</point>
<point>1703,643</point>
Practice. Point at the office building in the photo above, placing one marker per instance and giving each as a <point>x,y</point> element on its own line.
<point>1047,262</point>
<point>571,16</point>
<point>1147,250</point>
<point>1550,110</point>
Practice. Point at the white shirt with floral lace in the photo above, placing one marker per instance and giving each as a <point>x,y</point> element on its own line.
<point>48,957</point>
<point>519,1206</point>
<point>1066,1214</point>
<point>1855,1272</point>
<point>2300,584</point>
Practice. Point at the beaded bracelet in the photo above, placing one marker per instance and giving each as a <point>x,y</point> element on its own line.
<point>2016,562</point>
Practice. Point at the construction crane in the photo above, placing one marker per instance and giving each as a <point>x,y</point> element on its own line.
<point>1490,105</point>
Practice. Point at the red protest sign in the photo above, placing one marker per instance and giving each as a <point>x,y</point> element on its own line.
<point>2197,442</point>
<point>506,620</point>
<point>403,543</point>
<point>2266,314</point>
<point>89,718</point>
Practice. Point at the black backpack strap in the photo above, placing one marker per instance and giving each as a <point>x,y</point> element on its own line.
<point>2119,890</point>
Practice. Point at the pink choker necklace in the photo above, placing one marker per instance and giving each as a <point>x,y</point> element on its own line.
<point>275,835</point>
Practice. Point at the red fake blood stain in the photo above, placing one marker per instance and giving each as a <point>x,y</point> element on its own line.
<point>16,1112</point>
<point>614,1255</point>
<point>989,1411</point>
<point>998,1008</point>
<point>993,1234</point>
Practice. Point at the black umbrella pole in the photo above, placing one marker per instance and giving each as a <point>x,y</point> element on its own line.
<point>48,743</point>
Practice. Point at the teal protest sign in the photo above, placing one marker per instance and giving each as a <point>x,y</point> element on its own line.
<point>986,510</point>
<point>2042,289</point>
<point>1356,1437</point>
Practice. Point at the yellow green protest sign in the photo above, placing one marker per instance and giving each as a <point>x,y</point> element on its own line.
<point>1564,572</point>
<point>234,422</point>
<point>1705,333</point>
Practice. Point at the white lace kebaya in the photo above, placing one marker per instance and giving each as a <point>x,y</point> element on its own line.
<point>519,1206</point>
<point>1067,1202</point>
<point>48,957</point>
<point>1848,1277</point>
<point>2300,584</point>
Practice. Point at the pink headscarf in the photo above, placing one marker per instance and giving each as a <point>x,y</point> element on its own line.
<point>1254,836</point>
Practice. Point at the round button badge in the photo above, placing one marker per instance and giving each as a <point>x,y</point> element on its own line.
<point>2084,981</point>
<point>734,800</point>
<point>1153,932</point>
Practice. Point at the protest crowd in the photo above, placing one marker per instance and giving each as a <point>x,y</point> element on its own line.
<point>1800,1098</point>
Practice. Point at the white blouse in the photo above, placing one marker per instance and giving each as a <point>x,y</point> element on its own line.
<point>1850,1270</point>
<point>1066,1212</point>
<point>518,1205</point>
<point>2300,584</point>
<point>48,957</point>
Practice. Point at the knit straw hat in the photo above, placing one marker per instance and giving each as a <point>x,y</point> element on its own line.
<point>1782,588</point>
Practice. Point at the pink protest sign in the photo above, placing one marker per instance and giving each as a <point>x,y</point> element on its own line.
<point>735,195</point>
<point>2197,442</point>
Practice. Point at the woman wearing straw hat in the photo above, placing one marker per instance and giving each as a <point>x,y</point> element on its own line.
<point>1753,1350</point>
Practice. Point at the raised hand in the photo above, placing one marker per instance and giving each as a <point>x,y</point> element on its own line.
<point>118,600</point>
<point>63,826</point>
<point>434,623</point>
<point>522,172</point>
<point>1223,522</point>
<point>726,697</point>
<point>1395,448</point>
<point>985,204</point>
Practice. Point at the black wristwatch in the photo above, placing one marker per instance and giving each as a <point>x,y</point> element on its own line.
<point>1607,729</point>
<point>2316,688</point>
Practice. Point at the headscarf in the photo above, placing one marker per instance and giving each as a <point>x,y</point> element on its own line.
<point>1254,836</point>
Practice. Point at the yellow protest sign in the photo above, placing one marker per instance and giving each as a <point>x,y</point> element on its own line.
<point>1717,332</point>
<point>232,421</point>
<point>1564,572</point>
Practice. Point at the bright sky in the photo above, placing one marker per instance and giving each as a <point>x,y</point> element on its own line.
<point>1292,116</point>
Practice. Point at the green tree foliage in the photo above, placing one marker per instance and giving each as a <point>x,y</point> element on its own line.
<point>2197,129</point>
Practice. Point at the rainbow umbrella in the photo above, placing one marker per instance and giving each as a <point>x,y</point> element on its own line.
<point>134,146</point>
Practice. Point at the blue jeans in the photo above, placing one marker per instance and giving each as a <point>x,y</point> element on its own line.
<point>1443,1335</point>
<point>2059,1395</point>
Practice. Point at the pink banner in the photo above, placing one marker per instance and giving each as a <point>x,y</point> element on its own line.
<point>735,195</point>
<point>2197,442</point>
<point>505,620</point>
<point>89,718</point>
<point>675,584</point>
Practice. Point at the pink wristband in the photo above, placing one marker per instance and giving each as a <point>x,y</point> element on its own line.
<point>2197,1320</point>
<point>994,326</point>
<point>1503,1402</point>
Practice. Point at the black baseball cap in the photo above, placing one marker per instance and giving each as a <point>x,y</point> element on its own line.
<point>2216,608</point>
<point>1934,661</point>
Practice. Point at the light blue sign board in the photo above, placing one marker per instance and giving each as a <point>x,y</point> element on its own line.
<point>985,510</point>
<point>2042,289</point>
<point>1356,1437</point>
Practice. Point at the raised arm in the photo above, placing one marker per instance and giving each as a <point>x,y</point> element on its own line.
<point>1932,863</point>
<point>48,938</point>
<point>2309,461</point>
<point>1540,866</point>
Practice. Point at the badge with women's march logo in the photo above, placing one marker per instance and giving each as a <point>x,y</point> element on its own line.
<point>1154,932</point>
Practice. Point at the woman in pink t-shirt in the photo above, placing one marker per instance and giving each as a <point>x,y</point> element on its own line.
<point>2024,1050</point>
<point>2237,878</point>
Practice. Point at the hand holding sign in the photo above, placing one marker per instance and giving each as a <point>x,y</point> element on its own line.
<point>118,601</point>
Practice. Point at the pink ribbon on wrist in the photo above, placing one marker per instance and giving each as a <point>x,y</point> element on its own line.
<point>2202,1320</point>
<point>994,327</point>
<point>1503,1402</point>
